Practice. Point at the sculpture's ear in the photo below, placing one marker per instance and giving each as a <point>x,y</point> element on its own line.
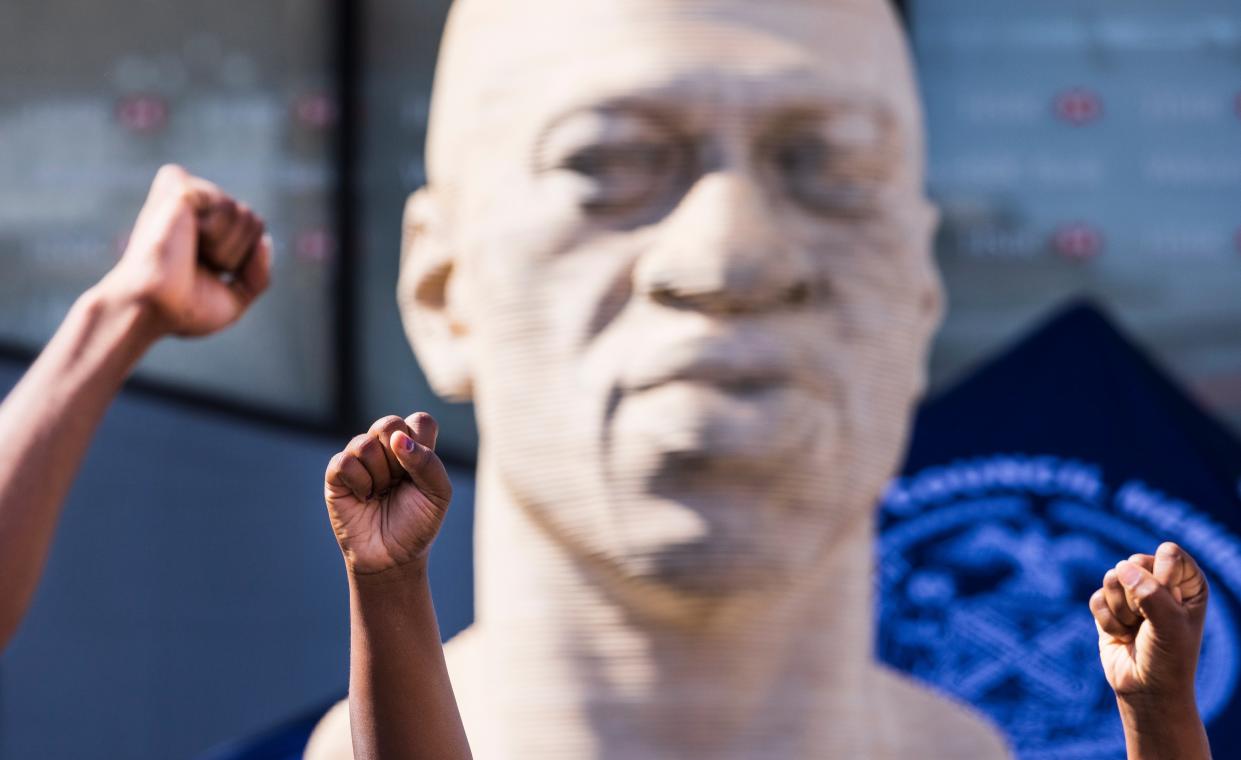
<point>933,301</point>
<point>429,299</point>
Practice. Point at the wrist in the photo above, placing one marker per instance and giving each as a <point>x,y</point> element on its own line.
<point>390,600</point>
<point>396,579</point>
<point>1141,706</point>
<point>132,318</point>
<point>1160,726</point>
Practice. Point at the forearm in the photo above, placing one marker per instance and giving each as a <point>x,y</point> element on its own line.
<point>1170,730</point>
<point>401,702</point>
<point>45,427</point>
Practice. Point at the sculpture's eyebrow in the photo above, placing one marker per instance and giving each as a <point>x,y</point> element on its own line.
<point>676,104</point>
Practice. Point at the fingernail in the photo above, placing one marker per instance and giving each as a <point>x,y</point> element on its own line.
<point>408,443</point>
<point>1129,573</point>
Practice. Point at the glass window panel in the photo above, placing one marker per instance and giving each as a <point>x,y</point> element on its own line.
<point>95,96</point>
<point>1089,147</point>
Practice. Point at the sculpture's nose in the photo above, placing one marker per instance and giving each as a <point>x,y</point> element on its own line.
<point>721,251</point>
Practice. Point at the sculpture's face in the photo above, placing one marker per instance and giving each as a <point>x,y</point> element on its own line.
<point>687,274</point>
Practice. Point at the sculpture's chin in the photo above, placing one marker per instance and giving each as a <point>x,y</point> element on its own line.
<point>710,572</point>
<point>730,518</point>
<point>712,547</point>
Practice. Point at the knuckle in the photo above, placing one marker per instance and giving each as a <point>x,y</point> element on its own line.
<point>346,471</point>
<point>1113,627</point>
<point>370,451</point>
<point>184,197</point>
<point>170,173</point>
<point>1170,548</point>
<point>385,424</point>
<point>369,445</point>
<point>425,424</point>
<point>355,473</point>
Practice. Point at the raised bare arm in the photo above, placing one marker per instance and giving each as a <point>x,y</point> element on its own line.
<point>195,262</point>
<point>387,494</point>
<point>1150,613</point>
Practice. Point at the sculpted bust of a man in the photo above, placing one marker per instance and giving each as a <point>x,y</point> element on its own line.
<point>677,253</point>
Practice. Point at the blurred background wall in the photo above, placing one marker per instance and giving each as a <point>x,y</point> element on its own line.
<point>1089,148</point>
<point>194,593</point>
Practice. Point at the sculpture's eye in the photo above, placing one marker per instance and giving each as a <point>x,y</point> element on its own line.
<point>833,167</point>
<point>622,176</point>
<point>615,161</point>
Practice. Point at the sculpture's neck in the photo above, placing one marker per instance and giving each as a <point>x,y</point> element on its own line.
<point>791,677</point>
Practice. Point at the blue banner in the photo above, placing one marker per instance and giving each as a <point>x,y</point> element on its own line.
<point>1022,486</point>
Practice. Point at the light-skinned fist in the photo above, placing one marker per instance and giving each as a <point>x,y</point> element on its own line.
<point>196,259</point>
<point>1150,613</point>
<point>387,494</point>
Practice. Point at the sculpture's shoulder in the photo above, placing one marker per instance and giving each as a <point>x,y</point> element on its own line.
<point>469,672</point>
<point>929,725</point>
<point>331,739</point>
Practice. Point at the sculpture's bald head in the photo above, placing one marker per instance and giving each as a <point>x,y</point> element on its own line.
<point>677,252</point>
<point>502,61</point>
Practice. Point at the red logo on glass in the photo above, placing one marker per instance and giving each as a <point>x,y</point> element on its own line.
<point>1078,106</point>
<point>1077,242</point>
<point>142,114</point>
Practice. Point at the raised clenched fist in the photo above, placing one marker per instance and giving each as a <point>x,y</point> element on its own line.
<point>196,259</point>
<point>387,494</point>
<point>1150,613</point>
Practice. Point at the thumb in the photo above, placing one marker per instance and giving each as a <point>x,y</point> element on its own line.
<point>1169,568</point>
<point>423,467</point>
<point>1153,599</point>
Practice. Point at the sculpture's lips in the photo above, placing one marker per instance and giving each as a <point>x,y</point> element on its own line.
<point>734,379</point>
<point>727,367</point>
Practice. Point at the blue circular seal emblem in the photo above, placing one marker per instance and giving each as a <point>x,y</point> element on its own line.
<point>985,569</point>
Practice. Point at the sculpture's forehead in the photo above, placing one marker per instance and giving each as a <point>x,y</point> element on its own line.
<point>515,66</point>
<point>574,48</point>
<point>556,17</point>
